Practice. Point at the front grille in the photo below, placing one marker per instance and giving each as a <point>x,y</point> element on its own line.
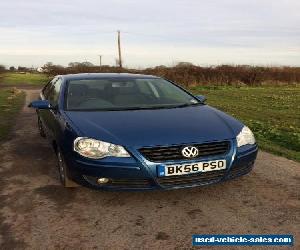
<point>199,178</point>
<point>160,154</point>
<point>130,183</point>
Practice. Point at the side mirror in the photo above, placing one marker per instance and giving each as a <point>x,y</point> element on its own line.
<point>201,98</point>
<point>40,104</point>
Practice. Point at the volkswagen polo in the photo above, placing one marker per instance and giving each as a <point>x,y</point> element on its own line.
<point>139,132</point>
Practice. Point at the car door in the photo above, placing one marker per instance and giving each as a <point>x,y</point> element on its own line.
<point>44,114</point>
<point>53,115</point>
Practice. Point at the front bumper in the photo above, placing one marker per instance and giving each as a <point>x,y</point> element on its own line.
<point>137,173</point>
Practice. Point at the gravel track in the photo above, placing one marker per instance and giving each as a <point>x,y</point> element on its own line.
<point>36,212</point>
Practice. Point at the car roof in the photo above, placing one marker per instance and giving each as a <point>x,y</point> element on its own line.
<point>105,75</point>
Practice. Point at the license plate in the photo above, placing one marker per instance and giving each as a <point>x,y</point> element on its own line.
<point>191,168</point>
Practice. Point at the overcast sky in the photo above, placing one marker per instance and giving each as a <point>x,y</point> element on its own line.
<point>264,32</point>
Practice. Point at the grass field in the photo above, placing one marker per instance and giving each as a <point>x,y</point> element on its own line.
<point>11,101</point>
<point>273,113</point>
<point>28,78</point>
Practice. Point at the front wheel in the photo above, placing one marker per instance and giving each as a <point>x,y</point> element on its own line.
<point>63,171</point>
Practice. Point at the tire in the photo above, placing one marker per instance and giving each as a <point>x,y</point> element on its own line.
<point>41,128</point>
<point>63,171</point>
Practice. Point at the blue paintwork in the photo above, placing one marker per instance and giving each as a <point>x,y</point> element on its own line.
<point>40,104</point>
<point>139,128</point>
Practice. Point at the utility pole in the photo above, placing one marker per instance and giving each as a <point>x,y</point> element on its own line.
<point>119,48</point>
<point>100,58</point>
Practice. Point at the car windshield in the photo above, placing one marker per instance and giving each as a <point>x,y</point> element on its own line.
<point>125,94</point>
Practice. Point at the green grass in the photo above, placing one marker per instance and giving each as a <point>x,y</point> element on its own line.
<point>273,114</point>
<point>11,101</point>
<point>12,78</point>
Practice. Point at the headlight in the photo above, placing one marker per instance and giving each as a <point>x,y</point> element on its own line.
<point>245,137</point>
<point>95,149</point>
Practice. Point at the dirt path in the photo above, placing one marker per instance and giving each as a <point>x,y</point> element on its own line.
<point>37,213</point>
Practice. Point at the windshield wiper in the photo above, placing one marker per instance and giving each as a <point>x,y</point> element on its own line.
<point>117,109</point>
<point>187,105</point>
<point>161,107</point>
<point>140,107</point>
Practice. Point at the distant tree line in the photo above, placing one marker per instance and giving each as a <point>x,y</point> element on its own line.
<point>188,74</point>
<point>2,68</point>
<point>12,68</point>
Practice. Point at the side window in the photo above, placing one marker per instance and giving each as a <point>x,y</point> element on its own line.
<point>54,92</point>
<point>48,87</point>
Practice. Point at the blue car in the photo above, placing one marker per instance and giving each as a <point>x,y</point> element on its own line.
<point>139,132</point>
